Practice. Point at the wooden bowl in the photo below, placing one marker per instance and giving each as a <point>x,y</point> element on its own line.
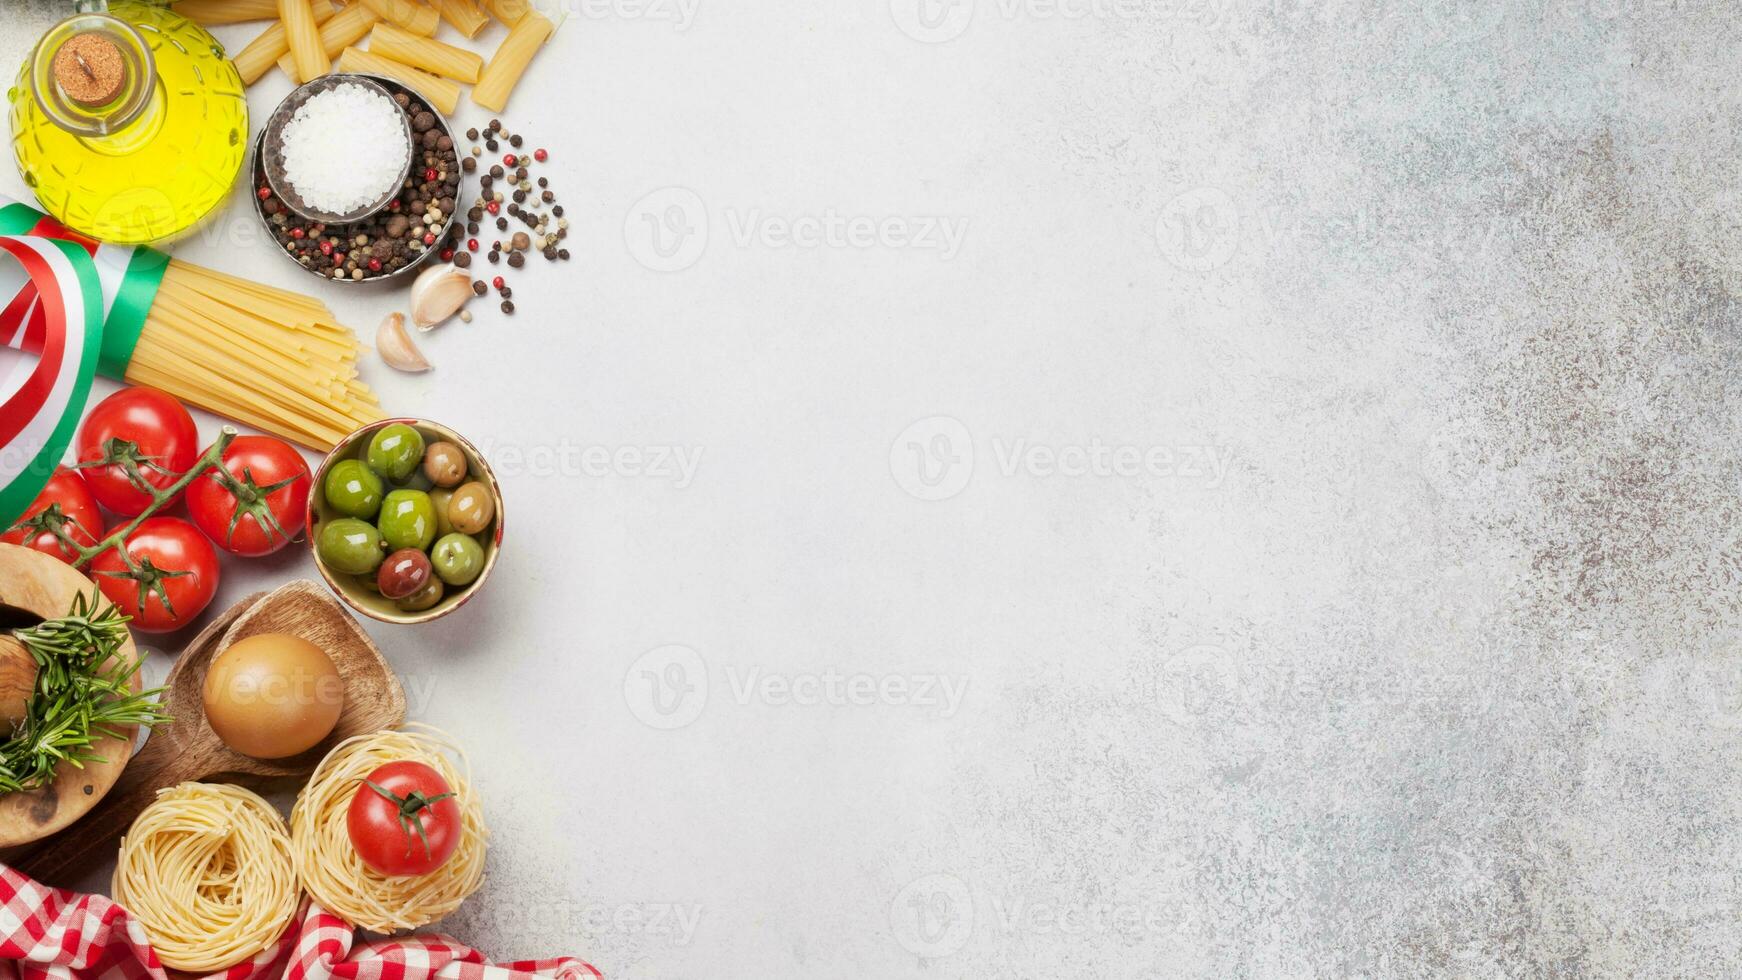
<point>359,591</point>
<point>35,587</point>
<point>187,748</point>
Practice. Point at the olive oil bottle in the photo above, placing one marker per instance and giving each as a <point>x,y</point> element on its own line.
<point>129,123</point>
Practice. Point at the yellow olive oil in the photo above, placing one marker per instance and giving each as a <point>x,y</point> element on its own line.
<point>130,126</point>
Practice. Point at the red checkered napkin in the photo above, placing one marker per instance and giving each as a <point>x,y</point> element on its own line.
<point>51,932</point>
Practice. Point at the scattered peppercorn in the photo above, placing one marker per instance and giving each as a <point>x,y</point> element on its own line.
<point>514,141</point>
<point>508,307</point>
<point>478,287</point>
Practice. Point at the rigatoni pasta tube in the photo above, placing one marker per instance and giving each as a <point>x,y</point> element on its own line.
<point>463,15</point>
<point>414,17</point>
<point>509,12</point>
<point>391,41</point>
<point>441,93</point>
<point>210,12</point>
<point>264,51</point>
<point>337,34</point>
<point>510,61</point>
<point>303,36</point>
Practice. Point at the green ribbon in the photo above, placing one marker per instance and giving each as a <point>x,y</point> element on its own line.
<point>131,303</point>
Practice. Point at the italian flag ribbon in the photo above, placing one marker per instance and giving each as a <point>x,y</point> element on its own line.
<point>75,308</point>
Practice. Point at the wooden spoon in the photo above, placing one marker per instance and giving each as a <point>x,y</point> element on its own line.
<point>188,748</point>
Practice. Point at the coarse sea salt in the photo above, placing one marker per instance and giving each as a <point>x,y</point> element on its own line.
<point>345,148</point>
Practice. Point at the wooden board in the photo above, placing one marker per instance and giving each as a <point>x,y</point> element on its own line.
<point>41,587</point>
<point>188,749</point>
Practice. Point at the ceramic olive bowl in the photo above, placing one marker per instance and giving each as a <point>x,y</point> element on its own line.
<point>359,591</point>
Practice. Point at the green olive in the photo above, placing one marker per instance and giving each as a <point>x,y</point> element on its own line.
<point>438,499</point>
<point>444,464</point>
<point>350,546</point>
<point>471,508</point>
<point>395,451</point>
<point>353,489</point>
<point>424,598</point>
<point>407,520</point>
<point>458,559</point>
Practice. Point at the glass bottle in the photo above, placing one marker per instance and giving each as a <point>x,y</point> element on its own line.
<point>129,124</point>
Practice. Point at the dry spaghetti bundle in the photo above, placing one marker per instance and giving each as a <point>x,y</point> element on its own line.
<point>207,872</point>
<point>269,358</point>
<point>327,862</point>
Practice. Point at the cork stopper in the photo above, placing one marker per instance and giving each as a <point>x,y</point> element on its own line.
<point>89,68</point>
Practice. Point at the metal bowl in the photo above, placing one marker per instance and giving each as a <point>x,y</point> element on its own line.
<point>359,592</point>
<point>257,176</point>
<point>272,140</point>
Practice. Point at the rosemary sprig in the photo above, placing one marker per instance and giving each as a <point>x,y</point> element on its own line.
<point>82,694</point>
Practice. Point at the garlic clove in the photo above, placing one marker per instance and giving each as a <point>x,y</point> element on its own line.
<point>395,346</point>
<point>438,293</point>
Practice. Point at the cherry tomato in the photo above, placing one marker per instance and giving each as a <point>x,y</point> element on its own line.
<point>403,820</point>
<point>146,426</point>
<point>264,507</point>
<point>177,577</point>
<point>78,515</point>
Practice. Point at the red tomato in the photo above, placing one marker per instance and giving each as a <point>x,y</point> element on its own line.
<point>77,512</point>
<point>262,508</point>
<point>142,424</point>
<point>403,820</point>
<point>178,574</point>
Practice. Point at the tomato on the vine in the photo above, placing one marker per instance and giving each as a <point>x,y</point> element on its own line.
<point>403,820</point>
<point>141,430</point>
<point>172,577</point>
<point>66,502</point>
<point>261,505</point>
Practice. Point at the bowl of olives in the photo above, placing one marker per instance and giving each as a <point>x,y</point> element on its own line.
<point>405,520</point>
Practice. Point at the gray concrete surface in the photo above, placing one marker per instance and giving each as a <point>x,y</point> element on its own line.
<point>1388,628</point>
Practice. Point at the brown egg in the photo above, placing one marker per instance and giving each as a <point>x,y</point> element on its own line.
<point>273,695</point>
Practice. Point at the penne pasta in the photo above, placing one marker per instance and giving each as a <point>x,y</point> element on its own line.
<point>210,12</point>
<point>509,12</point>
<point>303,37</point>
<point>510,61</point>
<point>414,17</point>
<point>264,51</point>
<point>441,93</point>
<point>343,30</point>
<point>463,15</point>
<point>425,53</point>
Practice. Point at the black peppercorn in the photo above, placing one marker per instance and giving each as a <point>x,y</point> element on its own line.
<point>507,307</point>
<point>547,197</point>
<point>468,164</point>
<point>463,259</point>
<point>558,211</point>
<point>479,288</point>
<point>501,224</point>
<point>544,181</point>
<point>496,170</point>
<point>562,253</point>
<point>506,290</point>
<point>514,141</point>
<point>491,146</point>
<point>472,134</point>
<point>516,259</point>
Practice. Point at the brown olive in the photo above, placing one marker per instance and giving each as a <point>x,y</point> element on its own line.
<point>471,508</point>
<point>403,573</point>
<point>424,598</point>
<point>444,464</point>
